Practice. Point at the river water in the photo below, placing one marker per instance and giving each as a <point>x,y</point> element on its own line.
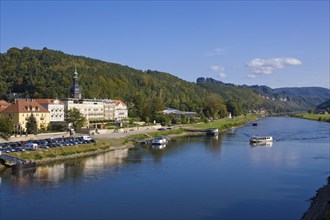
<point>202,177</point>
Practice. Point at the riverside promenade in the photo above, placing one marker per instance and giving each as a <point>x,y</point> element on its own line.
<point>101,133</point>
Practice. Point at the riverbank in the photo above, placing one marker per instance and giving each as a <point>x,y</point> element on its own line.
<point>314,117</point>
<point>122,140</point>
<point>42,156</point>
<point>320,204</point>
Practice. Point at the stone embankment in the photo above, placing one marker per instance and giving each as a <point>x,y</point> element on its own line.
<point>320,206</point>
<point>81,155</point>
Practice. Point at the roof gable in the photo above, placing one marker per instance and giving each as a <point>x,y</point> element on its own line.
<point>25,105</point>
<point>4,103</point>
<point>118,102</point>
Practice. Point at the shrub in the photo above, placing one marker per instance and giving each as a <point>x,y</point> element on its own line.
<point>37,157</point>
<point>50,155</point>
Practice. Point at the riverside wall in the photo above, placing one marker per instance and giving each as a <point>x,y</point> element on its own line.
<point>80,132</point>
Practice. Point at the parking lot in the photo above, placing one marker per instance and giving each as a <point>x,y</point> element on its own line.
<point>44,143</point>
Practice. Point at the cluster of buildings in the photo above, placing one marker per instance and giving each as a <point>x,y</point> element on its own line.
<point>52,111</point>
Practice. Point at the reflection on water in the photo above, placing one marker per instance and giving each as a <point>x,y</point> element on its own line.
<point>158,146</point>
<point>57,172</point>
<point>220,177</point>
<point>267,144</point>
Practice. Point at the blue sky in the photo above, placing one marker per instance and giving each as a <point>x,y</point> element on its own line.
<point>273,43</point>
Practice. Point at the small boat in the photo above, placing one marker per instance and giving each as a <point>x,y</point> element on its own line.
<point>212,131</point>
<point>158,140</point>
<point>261,139</point>
<point>254,124</point>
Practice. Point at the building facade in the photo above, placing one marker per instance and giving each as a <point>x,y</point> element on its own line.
<point>98,109</point>
<point>121,111</point>
<point>109,109</point>
<point>22,109</point>
<point>55,108</point>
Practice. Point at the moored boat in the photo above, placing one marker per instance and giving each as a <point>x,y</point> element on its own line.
<point>212,131</point>
<point>261,139</point>
<point>159,140</point>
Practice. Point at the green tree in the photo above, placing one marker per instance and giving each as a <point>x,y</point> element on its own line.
<point>234,108</point>
<point>31,125</point>
<point>6,127</point>
<point>74,117</point>
<point>214,106</point>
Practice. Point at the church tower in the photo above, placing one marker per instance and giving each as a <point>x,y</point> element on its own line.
<point>75,91</point>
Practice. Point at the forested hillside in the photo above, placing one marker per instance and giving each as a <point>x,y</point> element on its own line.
<point>48,74</point>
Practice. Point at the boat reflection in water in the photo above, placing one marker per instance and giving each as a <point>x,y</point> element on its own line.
<point>158,146</point>
<point>264,144</point>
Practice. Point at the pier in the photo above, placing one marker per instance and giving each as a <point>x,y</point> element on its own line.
<point>15,162</point>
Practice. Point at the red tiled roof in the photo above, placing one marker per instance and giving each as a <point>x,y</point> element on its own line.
<point>44,101</point>
<point>4,103</point>
<point>25,105</point>
<point>117,102</point>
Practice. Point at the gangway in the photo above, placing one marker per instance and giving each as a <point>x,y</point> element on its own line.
<point>15,162</point>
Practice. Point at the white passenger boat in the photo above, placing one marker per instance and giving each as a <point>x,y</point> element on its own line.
<point>261,139</point>
<point>159,140</point>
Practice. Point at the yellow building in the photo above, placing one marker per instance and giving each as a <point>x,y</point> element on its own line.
<point>21,110</point>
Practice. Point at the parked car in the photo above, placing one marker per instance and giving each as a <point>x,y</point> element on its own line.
<point>86,138</point>
<point>30,146</point>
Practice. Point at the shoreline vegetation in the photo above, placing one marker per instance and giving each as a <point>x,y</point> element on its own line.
<point>314,117</point>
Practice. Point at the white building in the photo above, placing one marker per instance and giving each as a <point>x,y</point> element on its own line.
<point>178,113</point>
<point>121,111</point>
<point>55,107</point>
<point>92,109</point>
<point>98,109</point>
<point>109,109</point>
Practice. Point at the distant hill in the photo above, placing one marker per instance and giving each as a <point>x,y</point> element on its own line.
<point>309,97</point>
<point>324,106</point>
<point>291,99</point>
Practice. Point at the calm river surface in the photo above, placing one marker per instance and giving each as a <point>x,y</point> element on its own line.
<point>192,178</point>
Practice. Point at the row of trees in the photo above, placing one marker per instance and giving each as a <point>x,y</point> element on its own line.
<point>7,127</point>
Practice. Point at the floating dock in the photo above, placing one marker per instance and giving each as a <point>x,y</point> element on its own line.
<point>16,163</point>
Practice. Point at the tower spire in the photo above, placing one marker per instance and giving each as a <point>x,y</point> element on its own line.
<point>75,91</point>
<point>75,70</point>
